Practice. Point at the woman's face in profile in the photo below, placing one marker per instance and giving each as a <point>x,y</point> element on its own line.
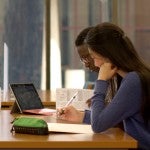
<point>97,58</point>
<point>86,59</point>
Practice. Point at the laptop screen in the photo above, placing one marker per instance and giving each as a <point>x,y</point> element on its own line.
<point>26,96</point>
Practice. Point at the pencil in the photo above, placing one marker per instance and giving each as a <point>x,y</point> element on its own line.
<point>69,102</point>
<point>71,99</point>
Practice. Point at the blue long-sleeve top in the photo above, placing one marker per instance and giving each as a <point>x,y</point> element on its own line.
<point>125,106</point>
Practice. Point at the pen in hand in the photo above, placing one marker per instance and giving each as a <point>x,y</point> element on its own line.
<point>71,99</point>
<point>69,102</point>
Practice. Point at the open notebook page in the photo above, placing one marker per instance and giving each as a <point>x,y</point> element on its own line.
<point>69,128</point>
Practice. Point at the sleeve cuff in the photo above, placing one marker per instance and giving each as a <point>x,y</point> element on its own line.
<point>87,117</point>
<point>101,85</point>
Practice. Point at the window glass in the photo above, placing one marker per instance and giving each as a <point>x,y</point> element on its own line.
<point>21,25</point>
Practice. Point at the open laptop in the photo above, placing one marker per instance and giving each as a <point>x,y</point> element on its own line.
<point>28,99</point>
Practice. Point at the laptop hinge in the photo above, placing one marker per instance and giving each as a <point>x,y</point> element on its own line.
<point>15,108</point>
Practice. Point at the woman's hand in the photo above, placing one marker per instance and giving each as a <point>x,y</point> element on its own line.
<point>107,71</point>
<point>70,114</point>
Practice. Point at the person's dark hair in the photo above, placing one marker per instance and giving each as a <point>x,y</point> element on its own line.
<point>80,40</point>
<point>110,41</point>
<point>82,36</point>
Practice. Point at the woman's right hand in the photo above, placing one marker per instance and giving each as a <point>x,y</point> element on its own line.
<point>70,113</point>
<point>107,71</point>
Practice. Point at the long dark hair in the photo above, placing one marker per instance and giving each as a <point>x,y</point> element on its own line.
<point>82,36</point>
<point>114,83</point>
<point>110,41</point>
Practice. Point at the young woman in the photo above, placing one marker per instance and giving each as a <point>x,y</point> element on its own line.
<point>88,62</point>
<point>115,55</point>
<point>83,52</point>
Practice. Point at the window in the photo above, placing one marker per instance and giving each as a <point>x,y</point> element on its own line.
<point>133,17</point>
<point>21,25</point>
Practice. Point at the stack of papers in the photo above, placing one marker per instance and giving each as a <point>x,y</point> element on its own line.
<point>63,95</point>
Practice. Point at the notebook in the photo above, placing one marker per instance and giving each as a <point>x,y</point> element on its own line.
<point>69,127</point>
<point>28,100</point>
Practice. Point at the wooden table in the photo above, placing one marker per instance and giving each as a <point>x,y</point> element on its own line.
<point>111,139</point>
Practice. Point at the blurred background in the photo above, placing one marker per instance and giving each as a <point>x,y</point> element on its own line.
<point>40,36</point>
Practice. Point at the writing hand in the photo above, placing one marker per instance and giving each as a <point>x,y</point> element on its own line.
<point>70,113</point>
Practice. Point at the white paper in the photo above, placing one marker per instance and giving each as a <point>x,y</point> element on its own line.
<point>63,95</point>
<point>69,128</point>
